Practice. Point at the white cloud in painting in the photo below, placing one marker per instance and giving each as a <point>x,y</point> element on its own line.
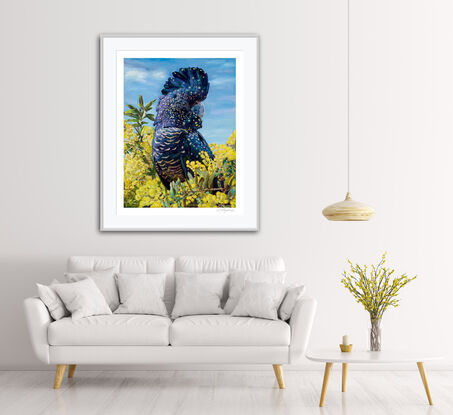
<point>158,75</point>
<point>136,75</point>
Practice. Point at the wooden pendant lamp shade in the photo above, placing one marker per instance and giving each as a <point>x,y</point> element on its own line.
<point>348,209</point>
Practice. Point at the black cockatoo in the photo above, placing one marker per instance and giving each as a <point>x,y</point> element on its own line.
<point>179,116</point>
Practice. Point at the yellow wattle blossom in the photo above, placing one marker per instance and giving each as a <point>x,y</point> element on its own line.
<point>376,290</point>
<point>209,200</point>
<point>211,183</point>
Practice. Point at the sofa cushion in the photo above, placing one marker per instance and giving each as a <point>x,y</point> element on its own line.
<point>199,293</point>
<point>260,299</point>
<point>52,301</point>
<point>83,299</point>
<point>141,294</point>
<point>105,281</point>
<point>130,265</point>
<point>293,295</point>
<point>111,330</point>
<point>225,330</point>
<point>239,278</point>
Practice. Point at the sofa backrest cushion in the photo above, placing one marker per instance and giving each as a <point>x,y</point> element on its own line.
<point>168,265</point>
<point>224,264</point>
<point>131,265</point>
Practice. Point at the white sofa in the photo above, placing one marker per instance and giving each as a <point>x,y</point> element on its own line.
<point>147,339</point>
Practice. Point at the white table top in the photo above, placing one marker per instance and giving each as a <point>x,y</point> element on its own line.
<point>387,356</point>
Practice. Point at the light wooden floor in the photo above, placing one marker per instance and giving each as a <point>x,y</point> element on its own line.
<point>223,392</point>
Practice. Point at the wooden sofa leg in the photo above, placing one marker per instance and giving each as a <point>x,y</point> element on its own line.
<point>278,370</point>
<point>71,371</point>
<point>59,376</point>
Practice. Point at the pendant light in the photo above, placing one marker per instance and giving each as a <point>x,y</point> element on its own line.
<point>348,209</point>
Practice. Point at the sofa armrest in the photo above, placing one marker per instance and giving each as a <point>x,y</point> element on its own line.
<point>301,322</point>
<point>38,320</point>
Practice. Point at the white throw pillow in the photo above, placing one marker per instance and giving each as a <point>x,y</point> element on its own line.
<point>293,295</point>
<point>52,301</point>
<point>142,294</point>
<point>238,279</point>
<point>260,299</point>
<point>82,298</point>
<point>104,279</point>
<point>199,293</point>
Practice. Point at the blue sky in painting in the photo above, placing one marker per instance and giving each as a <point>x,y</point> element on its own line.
<point>146,76</point>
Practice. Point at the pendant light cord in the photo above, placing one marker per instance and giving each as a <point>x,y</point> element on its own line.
<point>348,102</point>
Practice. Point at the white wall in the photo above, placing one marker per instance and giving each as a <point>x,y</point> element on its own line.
<point>401,133</point>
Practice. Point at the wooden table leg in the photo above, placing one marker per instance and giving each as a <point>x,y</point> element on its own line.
<point>344,375</point>
<point>325,382</point>
<point>421,369</point>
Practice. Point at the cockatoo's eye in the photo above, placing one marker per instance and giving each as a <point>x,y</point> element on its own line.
<point>198,110</point>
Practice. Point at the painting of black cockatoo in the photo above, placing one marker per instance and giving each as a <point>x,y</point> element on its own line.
<point>179,117</point>
<point>180,133</point>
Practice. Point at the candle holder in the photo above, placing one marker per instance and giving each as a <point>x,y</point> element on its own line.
<point>346,348</point>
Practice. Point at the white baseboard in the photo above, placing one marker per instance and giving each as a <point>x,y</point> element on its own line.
<point>249,368</point>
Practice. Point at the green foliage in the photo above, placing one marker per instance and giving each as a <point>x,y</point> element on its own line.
<point>134,143</point>
<point>375,289</point>
<point>139,116</point>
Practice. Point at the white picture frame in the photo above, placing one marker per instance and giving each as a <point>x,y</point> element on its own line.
<point>113,215</point>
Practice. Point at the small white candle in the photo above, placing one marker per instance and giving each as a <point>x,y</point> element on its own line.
<point>346,340</point>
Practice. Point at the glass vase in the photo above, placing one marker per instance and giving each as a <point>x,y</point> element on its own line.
<point>375,335</point>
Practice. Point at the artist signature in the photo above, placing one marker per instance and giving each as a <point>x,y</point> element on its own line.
<point>225,210</point>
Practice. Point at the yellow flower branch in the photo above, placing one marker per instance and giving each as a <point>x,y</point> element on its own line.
<point>375,289</point>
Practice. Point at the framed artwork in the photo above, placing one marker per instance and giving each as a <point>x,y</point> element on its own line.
<point>179,133</point>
